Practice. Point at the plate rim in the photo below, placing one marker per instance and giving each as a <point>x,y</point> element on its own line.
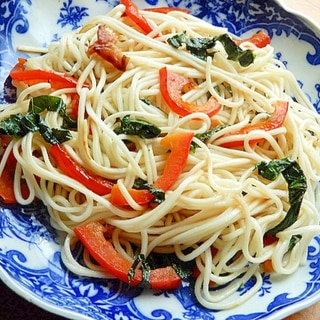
<point>34,299</point>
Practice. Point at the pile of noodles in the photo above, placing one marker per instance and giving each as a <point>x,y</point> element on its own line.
<point>219,200</point>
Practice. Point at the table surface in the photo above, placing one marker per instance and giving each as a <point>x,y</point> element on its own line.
<point>10,302</point>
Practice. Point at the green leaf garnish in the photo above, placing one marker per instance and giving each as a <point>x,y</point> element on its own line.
<point>297,186</point>
<point>19,125</point>
<point>51,103</point>
<point>140,259</point>
<point>204,47</point>
<point>294,240</point>
<point>140,128</point>
<point>205,136</point>
<point>184,269</point>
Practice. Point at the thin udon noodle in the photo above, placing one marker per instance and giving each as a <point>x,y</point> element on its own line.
<point>206,207</point>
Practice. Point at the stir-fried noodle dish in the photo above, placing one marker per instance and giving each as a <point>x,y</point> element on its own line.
<point>167,148</point>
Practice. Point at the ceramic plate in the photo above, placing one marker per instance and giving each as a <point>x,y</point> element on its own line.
<point>30,262</point>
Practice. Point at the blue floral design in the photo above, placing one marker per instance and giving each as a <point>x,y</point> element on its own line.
<point>12,17</point>
<point>265,288</point>
<point>266,285</point>
<point>317,103</point>
<point>20,223</point>
<point>110,3</point>
<point>72,15</point>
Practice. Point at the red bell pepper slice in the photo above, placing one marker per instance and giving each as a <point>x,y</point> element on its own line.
<point>269,239</point>
<point>69,167</point>
<point>172,86</point>
<point>166,10</point>
<point>142,197</point>
<point>259,39</point>
<point>74,106</point>
<point>273,122</point>
<point>92,237</point>
<point>57,80</point>
<point>133,13</point>
<point>179,144</point>
<point>7,182</point>
<point>267,266</point>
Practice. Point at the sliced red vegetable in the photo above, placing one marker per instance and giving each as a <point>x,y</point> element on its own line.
<point>57,80</point>
<point>164,278</point>
<point>179,145</point>
<point>92,237</point>
<point>259,39</point>
<point>267,266</point>
<point>133,13</point>
<point>69,167</point>
<point>273,122</point>
<point>142,197</point>
<point>173,85</point>
<point>269,239</point>
<point>166,10</point>
<point>74,106</point>
<point>6,182</point>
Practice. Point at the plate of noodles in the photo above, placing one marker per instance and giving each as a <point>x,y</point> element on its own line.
<point>160,162</point>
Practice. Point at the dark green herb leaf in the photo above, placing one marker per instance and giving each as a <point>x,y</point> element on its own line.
<point>272,169</point>
<point>204,47</point>
<point>159,195</point>
<point>133,269</point>
<point>200,47</point>
<point>29,123</point>
<point>140,128</point>
<point>41,103</point>
<point>234,52</point>
<point>177,40</point>
<point>53,135</point>
<point>11,126</point>
<point>61,135</point>
<point>140,259</point>
<point>51,103</point>
<point>297,186</point>
<point>183,268</point>
<point>19,125</point>
<point>294,240</point>
<point>157,260</point>
<point>46,132</point>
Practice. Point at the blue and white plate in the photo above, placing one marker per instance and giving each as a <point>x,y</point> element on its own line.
<point>30,262</point>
